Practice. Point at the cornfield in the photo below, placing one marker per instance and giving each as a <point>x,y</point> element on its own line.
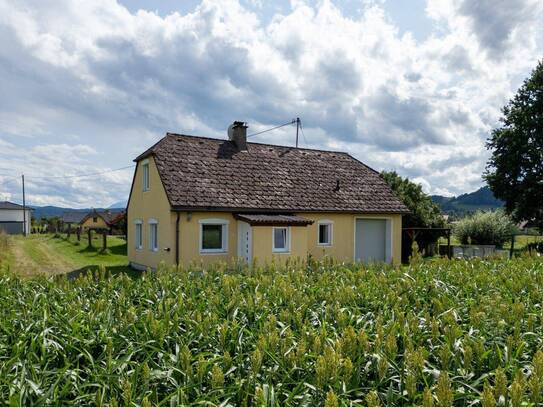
<point>311,333</point>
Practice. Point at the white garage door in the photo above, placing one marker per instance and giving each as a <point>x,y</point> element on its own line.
<point>373,240</point>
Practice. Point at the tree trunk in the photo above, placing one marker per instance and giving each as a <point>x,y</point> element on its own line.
<point>104,240</point>
<point>69,230</point>
<point>89,235</point>
<point>78,232</point>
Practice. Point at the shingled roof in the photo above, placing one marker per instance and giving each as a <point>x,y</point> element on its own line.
<point>212,174</point>
<point>11,205</point>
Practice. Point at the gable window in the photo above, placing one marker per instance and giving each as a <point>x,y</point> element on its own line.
<point>95,219</point>
<point>325,233</point>
<point>281,239</point>
<point>138,234</point>
<point>213,236</point>
<point>153,235</point>
<point>145,172</point>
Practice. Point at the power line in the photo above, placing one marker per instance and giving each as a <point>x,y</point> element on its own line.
<point>293,121</point>
<point>78,175</point>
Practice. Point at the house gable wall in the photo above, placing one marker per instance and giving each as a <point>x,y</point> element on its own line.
<point>144,206</point>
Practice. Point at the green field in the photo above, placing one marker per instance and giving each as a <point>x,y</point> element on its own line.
<point>436,333</point>
<point>46,254</point>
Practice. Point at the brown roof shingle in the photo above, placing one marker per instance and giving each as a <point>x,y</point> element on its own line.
<point>205,173</point>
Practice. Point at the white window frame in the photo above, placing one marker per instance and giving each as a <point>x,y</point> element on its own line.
<point>146,181</point>
<point>330,225</point>
<point>153,222</point>
<point>222,222</point>
<point>138,223</point>
<point>286,249</point>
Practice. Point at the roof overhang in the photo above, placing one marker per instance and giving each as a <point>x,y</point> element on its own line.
<point>185,208</point>
<point>272,219</point>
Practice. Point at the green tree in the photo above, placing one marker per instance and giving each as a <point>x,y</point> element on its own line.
<point>424,212</point>
<point>515,169</point>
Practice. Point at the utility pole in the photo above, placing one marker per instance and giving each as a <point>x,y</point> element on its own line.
<point>297,130</point>
<point>24,206</point>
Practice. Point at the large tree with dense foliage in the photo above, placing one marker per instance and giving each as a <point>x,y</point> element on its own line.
<point>424,212</point>
<point>515,169</point>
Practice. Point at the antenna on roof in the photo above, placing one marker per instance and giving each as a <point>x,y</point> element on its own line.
<point>296,121</point>
<point>298,124</point>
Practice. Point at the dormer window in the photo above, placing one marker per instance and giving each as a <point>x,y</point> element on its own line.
<point>145,172</point>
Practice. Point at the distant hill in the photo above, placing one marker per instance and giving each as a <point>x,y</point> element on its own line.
<point>52,211</point>
<point>482,199</point>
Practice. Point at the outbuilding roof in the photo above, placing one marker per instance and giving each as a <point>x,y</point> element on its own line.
<point>11,205</point>
<point>212,174</point>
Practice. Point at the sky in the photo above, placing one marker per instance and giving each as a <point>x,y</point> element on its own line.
<point>411,86</point>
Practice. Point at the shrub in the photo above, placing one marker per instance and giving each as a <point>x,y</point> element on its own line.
<point>485,228</point>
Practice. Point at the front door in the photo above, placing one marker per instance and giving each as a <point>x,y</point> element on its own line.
<point>245,242</point>
<point>372,240</point>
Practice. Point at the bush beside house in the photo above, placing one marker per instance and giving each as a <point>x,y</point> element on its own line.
<point>485,228</point>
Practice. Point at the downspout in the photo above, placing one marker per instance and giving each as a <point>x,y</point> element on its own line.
<point>177,240</point>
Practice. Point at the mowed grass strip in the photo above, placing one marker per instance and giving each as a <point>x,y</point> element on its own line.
<point>46,254</point>
<point>319,333</point>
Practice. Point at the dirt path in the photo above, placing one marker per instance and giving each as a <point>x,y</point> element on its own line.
<point>32,257</point>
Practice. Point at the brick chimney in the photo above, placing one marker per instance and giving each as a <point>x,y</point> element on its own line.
<point>237,133</point>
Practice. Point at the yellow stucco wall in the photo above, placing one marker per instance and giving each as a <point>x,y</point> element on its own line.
<point>343,228</point>
<point>263,241</point>
<point>189,242</point>
<point>146,205</point>
<point>99,224</point>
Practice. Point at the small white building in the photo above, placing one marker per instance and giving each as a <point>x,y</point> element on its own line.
<point>12,218</point>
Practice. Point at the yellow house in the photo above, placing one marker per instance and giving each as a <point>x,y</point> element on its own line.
<point>101,219</point>
<point>202,200</point>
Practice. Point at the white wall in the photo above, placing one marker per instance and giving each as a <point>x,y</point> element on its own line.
<point>15,215</point>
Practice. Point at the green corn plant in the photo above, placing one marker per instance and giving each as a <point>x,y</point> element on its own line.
<point>300,333</point>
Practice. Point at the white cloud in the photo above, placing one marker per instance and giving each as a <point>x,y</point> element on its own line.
<point>100,84</point>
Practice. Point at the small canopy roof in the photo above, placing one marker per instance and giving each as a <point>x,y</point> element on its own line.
<point>276,220</point>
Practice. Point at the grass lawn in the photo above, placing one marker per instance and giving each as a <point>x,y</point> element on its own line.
<point>45,254</point>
